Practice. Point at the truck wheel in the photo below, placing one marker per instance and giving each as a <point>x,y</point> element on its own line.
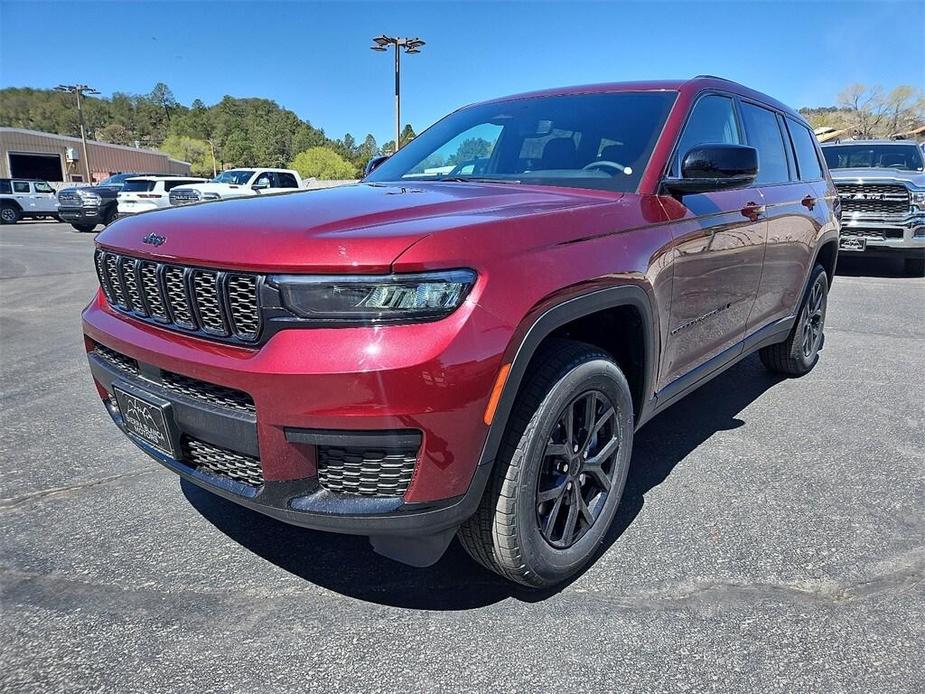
<point>84,228</point>
<point>560,470</point>
<point>798,354</point>
<point>111,216</point>
<point>915,266</point>
<point>10,214</point>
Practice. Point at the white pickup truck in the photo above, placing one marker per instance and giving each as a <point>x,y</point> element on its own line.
<point>237,183</point>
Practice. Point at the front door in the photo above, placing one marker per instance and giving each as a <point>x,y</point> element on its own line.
<point>44,198</point>
<point>719,241</point>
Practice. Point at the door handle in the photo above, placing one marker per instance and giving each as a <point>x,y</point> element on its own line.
<point>809,202</point>
<point>753,211</point>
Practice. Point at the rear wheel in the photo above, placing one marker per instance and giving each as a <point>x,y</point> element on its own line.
<point>84,228</point>
<point>560,471</point>
<point>10,214</point>
<point>915,266</point>
<point>798,354</point>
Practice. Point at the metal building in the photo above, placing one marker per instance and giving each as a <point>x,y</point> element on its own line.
<point>57,158</point>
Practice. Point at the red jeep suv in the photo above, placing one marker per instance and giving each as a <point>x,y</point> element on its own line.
<point>464,342</point>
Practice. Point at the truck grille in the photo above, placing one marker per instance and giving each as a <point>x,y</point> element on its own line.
<point>880,198</point>
<point>220,461</point>
<point>70,198</point>
<point>212,303</point>
<point>365,472</point>
<point>183,197</point>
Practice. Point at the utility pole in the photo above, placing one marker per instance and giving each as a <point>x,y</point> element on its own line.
<point>79,90</point>
<point>214,167</point>
<point>410,46</point>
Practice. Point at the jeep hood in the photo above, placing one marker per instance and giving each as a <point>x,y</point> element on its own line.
<point>356,228</point>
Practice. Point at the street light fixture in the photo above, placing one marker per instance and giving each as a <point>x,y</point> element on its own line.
<point>80,90</point>
<point>410,46</point>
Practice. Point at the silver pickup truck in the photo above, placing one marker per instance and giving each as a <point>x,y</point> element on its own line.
<point>881,186</point>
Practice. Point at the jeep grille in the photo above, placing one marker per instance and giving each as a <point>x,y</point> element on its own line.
<point>212,303</point>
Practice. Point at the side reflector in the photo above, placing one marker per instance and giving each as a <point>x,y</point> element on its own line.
<point>496,393</point>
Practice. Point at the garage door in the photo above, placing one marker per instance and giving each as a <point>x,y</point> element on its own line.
<point>43,166</point>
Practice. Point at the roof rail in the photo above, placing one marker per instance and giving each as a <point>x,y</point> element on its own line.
<point>713,77</point>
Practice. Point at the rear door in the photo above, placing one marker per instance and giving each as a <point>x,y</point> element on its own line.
<point>22,193</point>
<point>719,248</point>
<point>791,227</point>
<point>44,197</point>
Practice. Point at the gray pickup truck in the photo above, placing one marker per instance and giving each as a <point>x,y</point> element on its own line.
<point>87,207</point>
<point>881,187</point>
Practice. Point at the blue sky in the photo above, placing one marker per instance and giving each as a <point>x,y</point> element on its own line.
<point>314,59</point>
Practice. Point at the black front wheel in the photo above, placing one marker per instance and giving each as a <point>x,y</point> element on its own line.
<point>84,228</point>
<point>560,471</point>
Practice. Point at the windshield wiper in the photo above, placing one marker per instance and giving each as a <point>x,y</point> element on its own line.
<point>477,179</point>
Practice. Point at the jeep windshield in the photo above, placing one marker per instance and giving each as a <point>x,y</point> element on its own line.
<point>873,156</point>
<point>238,178</point>
<point>600,141</point>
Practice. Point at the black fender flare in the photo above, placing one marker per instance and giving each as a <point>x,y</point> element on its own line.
<point>557,316</point>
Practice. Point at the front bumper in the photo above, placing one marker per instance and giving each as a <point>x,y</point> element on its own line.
<point>81,215</point>
<point>433,379</point>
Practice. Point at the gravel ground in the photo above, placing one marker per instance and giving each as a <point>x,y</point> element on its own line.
<point>770,539</point>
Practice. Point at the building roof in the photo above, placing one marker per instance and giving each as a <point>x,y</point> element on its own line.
<point>97,143</point>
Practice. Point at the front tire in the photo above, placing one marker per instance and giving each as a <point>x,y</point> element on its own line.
<point>798,354</point>
<point>84,228</point>
<point>560,470</point>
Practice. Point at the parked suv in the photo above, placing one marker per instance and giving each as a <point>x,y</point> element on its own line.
<point>881,185</point>
<point>87,207</point>
<point>26,198</point>
<point>146,193</point>
<point>238,183</point>
<point>419,356</point>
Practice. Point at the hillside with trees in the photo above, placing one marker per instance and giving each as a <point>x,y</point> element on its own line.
<point>240,131</point>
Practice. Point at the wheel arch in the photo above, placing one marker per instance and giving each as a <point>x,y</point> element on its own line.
<point>9,202</point>
<point>573,318</point>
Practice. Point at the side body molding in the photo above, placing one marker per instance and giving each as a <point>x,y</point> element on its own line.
<point>557,316</point>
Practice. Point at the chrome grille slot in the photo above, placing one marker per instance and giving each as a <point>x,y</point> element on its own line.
<point>871,198</point>
<point>150,288</point>
<point>177,297</point>
<point>208,302</point>
<point>211,303</point>
<point>111,263</point>
<point>245,317</point>
<point>130,283</point>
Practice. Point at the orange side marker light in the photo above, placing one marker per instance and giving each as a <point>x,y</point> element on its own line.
<point>496,393</point>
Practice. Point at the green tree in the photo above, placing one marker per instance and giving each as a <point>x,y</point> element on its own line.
<point>323,163</point>
<point>196,152</point>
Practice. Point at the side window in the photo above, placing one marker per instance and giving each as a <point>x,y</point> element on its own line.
<point>285,180</point>
<point>5,187</point>
<point>764,135</point>
<point>20,186</point>
<point>713,121</point>
<point>43,187</point>
<point>263,180</point>
<point>807,157</point>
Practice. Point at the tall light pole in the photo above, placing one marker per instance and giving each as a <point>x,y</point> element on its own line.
<point>80,90</point>
<point>410,46</point>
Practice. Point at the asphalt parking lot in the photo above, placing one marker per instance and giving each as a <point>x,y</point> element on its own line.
<point>771,539</point>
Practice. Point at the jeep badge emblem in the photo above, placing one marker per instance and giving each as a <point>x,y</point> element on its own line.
<point>154,239</point>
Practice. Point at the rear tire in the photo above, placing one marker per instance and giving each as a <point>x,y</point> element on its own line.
<point>798,354</point>
<point>915,266</point>
<point>560,470</point>
<point>84,228</point>
<point>10,214</point>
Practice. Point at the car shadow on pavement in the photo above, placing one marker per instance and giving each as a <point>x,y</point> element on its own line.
<point>347,564</point>
<point>853,266</point>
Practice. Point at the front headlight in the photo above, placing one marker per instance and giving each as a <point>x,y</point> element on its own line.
<point>208,196</point>
<point>918,197</point>
<point>375,298</point>
<point>89,196</point>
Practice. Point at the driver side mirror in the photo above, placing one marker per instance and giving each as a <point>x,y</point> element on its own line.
<point>261,185</point>
<point>373,164</point>
<point>710,167</point>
